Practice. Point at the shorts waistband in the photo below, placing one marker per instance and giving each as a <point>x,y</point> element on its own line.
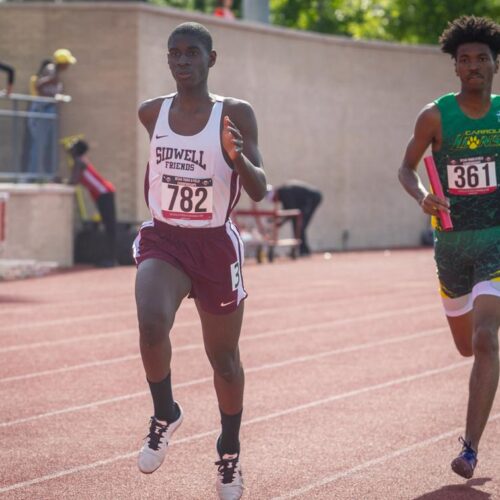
<point>187,232</point>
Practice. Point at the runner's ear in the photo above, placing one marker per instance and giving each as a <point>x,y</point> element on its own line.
<point>212,57</point>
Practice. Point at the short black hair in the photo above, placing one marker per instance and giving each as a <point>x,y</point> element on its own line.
<point>78,148</point>
<point>194,29</point>
<point>470,29</point>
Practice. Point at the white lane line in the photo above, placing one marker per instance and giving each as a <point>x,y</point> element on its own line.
<point>377,461</point>
<point>93,364</point>
<point>62,321</point>
<point>77,303</point>
<point>58,301</point>
<point>96,404</point>
<point>66,369</point>
<point>72,319</point>
<point>250,314</point>
<point>270,416</point>
<point>244,338</point>
<point>385,314</point>
<point>128,296</point>
<point>72,340</point>
<point>254,369</point>
<point>344,321</point>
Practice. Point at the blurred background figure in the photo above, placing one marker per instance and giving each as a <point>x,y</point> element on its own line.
<point>299,195</point>
<point>223,9</point>
<point>42,130</point>
<point>10,76</point>
<point>102,192</point>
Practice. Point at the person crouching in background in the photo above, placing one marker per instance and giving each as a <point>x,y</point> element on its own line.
<point>102,192</point>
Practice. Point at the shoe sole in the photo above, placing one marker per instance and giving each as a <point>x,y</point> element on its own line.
<point>462,468</point>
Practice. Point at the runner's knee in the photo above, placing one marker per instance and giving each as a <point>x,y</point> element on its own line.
<point>485,341</point>
<point>465,349</point>
<point>227,366</point>
<point>154,327</point>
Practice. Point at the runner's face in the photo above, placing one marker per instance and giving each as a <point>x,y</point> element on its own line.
<point>189,60</point>
<point>475,65</point>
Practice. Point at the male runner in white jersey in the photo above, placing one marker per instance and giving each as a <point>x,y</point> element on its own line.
<point>203,149</point>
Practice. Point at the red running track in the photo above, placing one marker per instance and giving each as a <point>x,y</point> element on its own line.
<point>353,388</point>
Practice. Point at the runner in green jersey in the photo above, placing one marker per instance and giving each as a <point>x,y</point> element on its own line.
<point>464,132</point>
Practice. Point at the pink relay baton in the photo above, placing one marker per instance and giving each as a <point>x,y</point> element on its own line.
<point>437,189</point>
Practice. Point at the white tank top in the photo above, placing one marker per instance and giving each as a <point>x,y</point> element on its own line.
<point>189,182</point>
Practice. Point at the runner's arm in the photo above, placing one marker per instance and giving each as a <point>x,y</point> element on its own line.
<point>427,130</point>
<point>148,113</point>
<point>240,142</point>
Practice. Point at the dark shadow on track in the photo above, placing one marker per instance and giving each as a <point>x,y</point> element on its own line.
<point>464,491</point>
<point>12,299</point>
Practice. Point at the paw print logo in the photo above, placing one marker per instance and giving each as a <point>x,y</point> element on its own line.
<point>473,142</point>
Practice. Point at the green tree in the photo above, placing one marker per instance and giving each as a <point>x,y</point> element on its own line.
<point>317,15</point>
<point>411,21</point>
<point>418,21</point>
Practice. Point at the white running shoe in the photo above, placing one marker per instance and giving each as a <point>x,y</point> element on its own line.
<point>229,484</point>
<point>156,442</point>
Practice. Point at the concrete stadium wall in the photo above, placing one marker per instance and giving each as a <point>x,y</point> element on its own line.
<point>39,223</point>
<point>331,111</point>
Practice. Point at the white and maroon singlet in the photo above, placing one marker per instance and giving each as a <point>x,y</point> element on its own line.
<point>188,182</point>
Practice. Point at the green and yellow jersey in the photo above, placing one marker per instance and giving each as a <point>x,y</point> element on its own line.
<point>468,164</point>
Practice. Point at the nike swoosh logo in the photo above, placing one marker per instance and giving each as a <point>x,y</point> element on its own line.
<point>161,136</point>
<point>224,304</point>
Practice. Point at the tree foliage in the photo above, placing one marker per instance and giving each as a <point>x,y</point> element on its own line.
<point>411,21</point>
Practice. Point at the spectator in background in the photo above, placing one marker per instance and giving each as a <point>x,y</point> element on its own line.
<point>223,9</point>
<point>34,78</point>
<point>102,192</point>
<point>42,130</point>
<point>10,76</point>
<point>298,195</point>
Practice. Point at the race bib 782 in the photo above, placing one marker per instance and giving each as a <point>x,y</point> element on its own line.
<point>186,198</point>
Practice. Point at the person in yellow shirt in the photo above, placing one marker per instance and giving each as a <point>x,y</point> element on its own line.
<point>42,130</point>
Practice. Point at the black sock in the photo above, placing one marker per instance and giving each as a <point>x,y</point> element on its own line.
<point>229,441</point>
<point>163,400</point>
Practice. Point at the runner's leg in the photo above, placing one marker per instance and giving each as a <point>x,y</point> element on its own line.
<point>220,335</point>
<point>485,371</point>
<point>461,328</point>
<point>160,288</point>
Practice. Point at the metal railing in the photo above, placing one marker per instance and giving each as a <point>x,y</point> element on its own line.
<point>29,137</point>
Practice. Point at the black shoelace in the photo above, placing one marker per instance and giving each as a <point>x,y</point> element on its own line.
<point>155,435</point>
<point>227,469</point>
<point>467,451</point>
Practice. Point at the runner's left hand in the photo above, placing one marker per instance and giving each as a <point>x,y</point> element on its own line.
<point>232,140</point>
<point>432,204</point>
